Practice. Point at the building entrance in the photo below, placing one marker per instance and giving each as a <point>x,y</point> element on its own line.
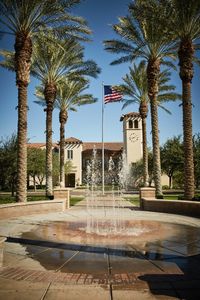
<point>70,180</point>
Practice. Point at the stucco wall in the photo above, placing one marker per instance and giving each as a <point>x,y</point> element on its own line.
<point>133,147</point>
<point>76,161</point>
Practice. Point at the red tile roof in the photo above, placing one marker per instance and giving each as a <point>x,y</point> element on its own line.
<point>40,145</point>
<point>36,145</point>
<point>112,146</point>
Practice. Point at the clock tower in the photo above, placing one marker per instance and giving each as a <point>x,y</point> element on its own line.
<point>132,136</point>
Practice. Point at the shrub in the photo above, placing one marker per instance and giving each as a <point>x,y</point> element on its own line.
<point>196,197</point>
<point>165,187</point>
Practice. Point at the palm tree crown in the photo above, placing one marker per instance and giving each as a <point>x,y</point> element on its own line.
<point>27,18</point>
<point>70,94</point>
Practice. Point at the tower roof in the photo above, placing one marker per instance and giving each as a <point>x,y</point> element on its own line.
<point>130,115</point>
<point>73,140</point>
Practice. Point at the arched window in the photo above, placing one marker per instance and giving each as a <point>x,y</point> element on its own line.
<point>135,123</point>
<point>130,124</point>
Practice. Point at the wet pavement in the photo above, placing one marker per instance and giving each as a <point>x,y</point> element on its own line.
<point>57,256</point>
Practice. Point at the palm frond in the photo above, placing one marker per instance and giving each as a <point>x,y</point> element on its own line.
<point>165,109</point>
<point>9,60</point>
<point>71,94</point>
<point>135,87</point>
<point>142,34</point>
<point>36,16</point>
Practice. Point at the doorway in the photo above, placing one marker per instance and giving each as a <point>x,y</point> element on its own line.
<point>70,180</point>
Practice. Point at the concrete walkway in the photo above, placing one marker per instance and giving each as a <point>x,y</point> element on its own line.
<point>53,256</point>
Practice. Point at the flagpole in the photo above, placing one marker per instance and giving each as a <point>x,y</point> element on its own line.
<point>103,188</point>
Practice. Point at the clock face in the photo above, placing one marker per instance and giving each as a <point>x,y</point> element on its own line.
<point>133,137</point>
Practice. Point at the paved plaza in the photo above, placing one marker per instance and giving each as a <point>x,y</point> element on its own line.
<point>58,256</point>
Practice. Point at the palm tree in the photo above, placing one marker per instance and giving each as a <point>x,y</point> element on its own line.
<point>184,23</point>
<point>146,39</point>
<point>70,95</point>
<point>24,19</point>
<point>53,60</point>
<point>135,86</point>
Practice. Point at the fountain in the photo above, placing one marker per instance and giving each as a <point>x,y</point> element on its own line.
<point>105,214</point>
<point>109,231</point>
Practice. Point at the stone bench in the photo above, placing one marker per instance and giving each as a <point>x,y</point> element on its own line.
<point>31,208</point>
<point>148,202</point>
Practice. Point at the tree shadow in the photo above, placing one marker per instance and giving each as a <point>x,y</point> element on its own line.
<point>182,282</point>
<point>182,286</point>
<point>73,247</point>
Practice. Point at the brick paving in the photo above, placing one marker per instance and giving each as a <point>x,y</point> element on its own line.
<point>43,270</point>
<point>20,274</point>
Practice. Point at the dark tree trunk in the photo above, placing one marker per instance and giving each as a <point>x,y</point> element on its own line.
<point>23,51</point>
<point>50,95</point>
<point>13,185</point>
<point>34,182</point>
<point>143,112</point>
<point>153,71</point>
<point>186,52</point>
<point>170,182</point>
<point>63,120</point>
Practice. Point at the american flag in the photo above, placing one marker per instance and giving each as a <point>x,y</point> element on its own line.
<point>111,94</point>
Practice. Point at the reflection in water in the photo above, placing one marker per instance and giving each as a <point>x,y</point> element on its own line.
<point>69,241</point>
<point>183,239</point>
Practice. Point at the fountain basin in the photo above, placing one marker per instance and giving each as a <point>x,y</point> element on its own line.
<point>150,241</point>
<point>132,232</point>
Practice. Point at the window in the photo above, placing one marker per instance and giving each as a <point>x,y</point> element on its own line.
<point>130,124</point>
<point>69,154</point>
<point>136,124</point>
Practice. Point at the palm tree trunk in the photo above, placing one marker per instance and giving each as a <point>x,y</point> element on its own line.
<point>34,183</point>
<point>153,71</point>
<point>170,182</point>
<point>186,51</point>
<point>143,112</point>
<point>63,119</point>
<point>23,51</point>
<point>145,152</point>
<point>50,95</point>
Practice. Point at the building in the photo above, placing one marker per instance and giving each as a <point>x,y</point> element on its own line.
<point>80,153</point>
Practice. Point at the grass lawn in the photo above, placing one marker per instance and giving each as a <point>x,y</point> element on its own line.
<point>75,200</point>
<point>171,197</point>
<point>6,199</point>
<point>133,199</point>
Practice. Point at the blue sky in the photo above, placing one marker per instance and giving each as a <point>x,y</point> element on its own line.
<point>86,123</point>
